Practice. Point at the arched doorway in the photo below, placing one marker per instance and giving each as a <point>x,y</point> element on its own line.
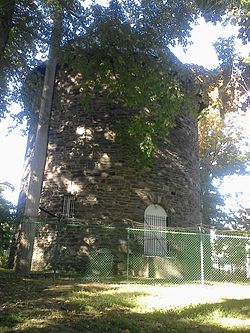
<point>155,240</point>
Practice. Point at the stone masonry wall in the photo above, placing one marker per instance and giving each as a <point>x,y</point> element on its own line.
<point>84,159</point>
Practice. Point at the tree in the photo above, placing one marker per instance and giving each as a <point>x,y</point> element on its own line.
<point>233,11</point>
<point>27,234</point>
<point>239,219</point>
<point>171,21</point>
<point>25,28</point>
<point>221,154</point>
<point>6,21</point>
<point>31,208</point>
<point>223,147</point>
<point>6,223</point>
<point>232,78</point>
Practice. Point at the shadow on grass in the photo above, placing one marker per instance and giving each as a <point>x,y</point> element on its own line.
<point>70,306</point>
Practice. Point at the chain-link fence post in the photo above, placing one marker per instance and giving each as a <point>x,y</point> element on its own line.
<point>57,244</point>
<point>201,255</point>
<point>128,246</point>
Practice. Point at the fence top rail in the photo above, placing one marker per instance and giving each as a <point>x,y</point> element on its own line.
<point>185,232</point>
<point>230,236</point>
<point>141,228</point>
<point>164,230</point>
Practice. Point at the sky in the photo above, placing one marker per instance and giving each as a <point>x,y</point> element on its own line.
<point>201,52</point>
<point>12,151</point>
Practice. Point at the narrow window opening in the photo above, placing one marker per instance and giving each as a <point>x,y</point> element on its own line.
<point>69,206</point>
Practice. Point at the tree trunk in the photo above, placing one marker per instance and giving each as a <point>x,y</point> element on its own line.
<point>6,22</point>
<point>31,209</point>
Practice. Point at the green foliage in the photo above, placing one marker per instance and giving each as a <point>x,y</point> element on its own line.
<point>171,21</point>
<point>164,23</point>
<point>157,23</point>
<point>232,79</point>
<point>223,152</point>
<point>117,63</point>
<point>223,146</point>
<point>28,34</point>
<point>6,227</point>
<point>238,217</point>
<point>25,35</point>
<point>235,11</point>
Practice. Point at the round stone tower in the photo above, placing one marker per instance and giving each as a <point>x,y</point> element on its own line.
<point>91,177</point>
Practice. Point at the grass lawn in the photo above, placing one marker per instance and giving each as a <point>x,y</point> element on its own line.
<point>42,305</point>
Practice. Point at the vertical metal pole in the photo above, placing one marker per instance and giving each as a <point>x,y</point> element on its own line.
<point>201,256</point>
<point>128,241</point>
<point>56,253</point>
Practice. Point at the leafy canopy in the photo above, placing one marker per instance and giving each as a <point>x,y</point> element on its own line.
<point>159,23</point>
<point>124,67</point>
<point>223,145</point>
<point>223,152</point>
<point>26,38</point>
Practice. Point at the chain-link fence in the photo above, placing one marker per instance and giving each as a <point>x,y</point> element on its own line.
<point>93,251</point>
<point>179,256</point>
<point>142,255</point>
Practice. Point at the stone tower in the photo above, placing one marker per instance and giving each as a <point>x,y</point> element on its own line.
<point>91,179</point>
